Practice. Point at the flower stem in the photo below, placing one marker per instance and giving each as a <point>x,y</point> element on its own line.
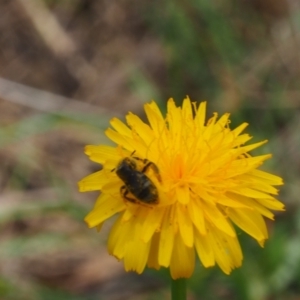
<point>179,289</point>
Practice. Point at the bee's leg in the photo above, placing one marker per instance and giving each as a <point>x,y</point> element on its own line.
<point>148,164</point>
<point>133,152</point>
<point>153,166</point>
<point>124,192</point>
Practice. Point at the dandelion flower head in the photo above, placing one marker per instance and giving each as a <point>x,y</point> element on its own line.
<point>194,183</point>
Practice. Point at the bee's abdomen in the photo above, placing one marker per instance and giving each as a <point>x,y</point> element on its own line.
<point>144,190</point>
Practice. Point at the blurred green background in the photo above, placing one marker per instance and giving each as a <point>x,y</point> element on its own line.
<point>68,66</point>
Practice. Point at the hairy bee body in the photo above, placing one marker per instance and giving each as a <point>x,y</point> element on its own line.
<point>136,182</point>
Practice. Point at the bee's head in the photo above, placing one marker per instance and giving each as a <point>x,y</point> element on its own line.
<point>125,167</point>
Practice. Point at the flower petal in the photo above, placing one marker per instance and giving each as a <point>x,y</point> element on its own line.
<point>185,225</point>
<point>137,251</point>
<point>226,249</point>
<point>252,146</point>
<point>155,118</point>
<point>106,207</point>
<point>213,214</point>
<point>118,238</point>
<point>142,129</point>
<point>254,183</point>
<point>250,221</point>
<point>120,127</point>
<point>251,193</point>
<point>166,241</point>
<point>267,177</point>
<point>196,214</point>
<point>153,254</point>
<point>245,165</point>
<point>187,112</point>
<point>200,115</point>
<point>238,130</point>
<point>183,194</point>
<point>204,250</point>
<point>183,259</point>
<point>101,154</point>
<point>125,142</point>
<point>152,223</point>
<point>92,182</point>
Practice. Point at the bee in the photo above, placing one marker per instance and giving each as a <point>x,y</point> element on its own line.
<point>136,182</point>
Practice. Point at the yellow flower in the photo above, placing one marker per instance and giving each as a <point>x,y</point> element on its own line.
<point>186,186</point>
